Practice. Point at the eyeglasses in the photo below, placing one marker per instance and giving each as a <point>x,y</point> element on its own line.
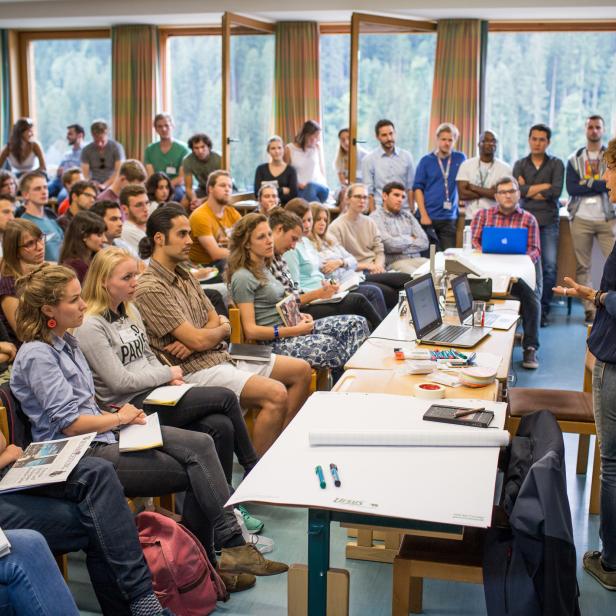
<point>507,193</point>
<point>30,244</point>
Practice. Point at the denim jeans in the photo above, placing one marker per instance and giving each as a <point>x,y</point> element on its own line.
<point>54,187</point>
<point>88,512</point>
<point>314,192</point>
<point>549,257</point>
<point>604,403</point>
<point>375,296</point>
<point>186,461</point>
<point>214,411</point>
<point>30,581</point>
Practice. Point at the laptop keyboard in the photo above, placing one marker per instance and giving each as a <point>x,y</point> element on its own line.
<point>450,333</point>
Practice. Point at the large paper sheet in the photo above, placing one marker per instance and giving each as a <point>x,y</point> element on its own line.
<point>450,485</point>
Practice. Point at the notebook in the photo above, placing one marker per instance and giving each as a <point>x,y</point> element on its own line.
<point>251,352</point>
<point>138,437</point>
<point>168,395</point>
<point>288,309</point>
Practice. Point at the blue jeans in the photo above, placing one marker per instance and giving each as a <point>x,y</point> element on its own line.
<point>32,582</point>
<point>549,257</point>
<point>314,192</point>
<point>88,512</point>
<point>375,295</point>
<point>604,403</point>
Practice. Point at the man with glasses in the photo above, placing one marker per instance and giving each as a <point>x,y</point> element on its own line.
<point>33,187</point>
<point>135,205</point>
<point>81,196</point>
<point>508,213</point>
<point>101,159</point>
<point>477,176</point>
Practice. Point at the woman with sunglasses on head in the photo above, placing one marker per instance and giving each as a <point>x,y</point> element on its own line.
<point>22,151</point>
<point>85,236</point>
<point>64,404</point>
<point>23,247</point>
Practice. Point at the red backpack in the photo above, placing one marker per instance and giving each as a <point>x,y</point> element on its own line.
<point>183,577</point>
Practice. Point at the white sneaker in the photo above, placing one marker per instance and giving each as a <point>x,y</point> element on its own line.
<point>263,544</point>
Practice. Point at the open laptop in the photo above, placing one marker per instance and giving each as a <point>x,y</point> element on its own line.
<point>504,240</point>
<point>428,322</point>
<point>464,305</point>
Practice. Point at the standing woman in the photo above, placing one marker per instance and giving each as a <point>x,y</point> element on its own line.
<point>23,247</point>
<point>115,343</point>
<point>159,189</point>
<point>305,154</point>
<point>277,172</point>
<point>22,150</point>
<point>85,236</point>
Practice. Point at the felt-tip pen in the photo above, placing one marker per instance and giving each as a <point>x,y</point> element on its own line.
<point>334,471</point>
<point>319,471</point>
<point>465,412</point>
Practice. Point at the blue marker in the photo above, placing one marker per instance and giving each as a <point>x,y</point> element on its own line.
<point>334,471</point>
<point>319,471</point>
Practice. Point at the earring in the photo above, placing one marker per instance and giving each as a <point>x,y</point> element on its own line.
<point>51,323</point>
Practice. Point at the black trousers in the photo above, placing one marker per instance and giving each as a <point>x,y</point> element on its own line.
<point>391,283</point>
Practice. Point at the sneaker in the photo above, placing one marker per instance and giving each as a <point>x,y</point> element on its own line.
<point>247,559</point>
<point>589,317</point>
<point>236,582</point>
<point>253,525</point>
<point>594,566</point>
<point>544,320</point>
<point>263,544</point>
<point>530,359</point>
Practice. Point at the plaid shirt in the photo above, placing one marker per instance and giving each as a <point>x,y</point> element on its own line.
<point>518,219</point>
<point>279,268</point>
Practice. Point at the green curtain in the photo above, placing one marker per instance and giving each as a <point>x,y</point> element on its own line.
<point>5,93</point>
<point>456,88</point>
<point>135,85</point>
<point>297,93</point>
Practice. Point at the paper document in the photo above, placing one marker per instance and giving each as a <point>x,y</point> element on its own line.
<point>334,299</point>
<point>351,280</point>
<point>168,395</point>
<point>46,462</point>
<point>138,437</point>
<point>5,544</point>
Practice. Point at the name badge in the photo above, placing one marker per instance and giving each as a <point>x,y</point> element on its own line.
<point>447,205</point>
<point>128,334</point>
<point>171,170</point>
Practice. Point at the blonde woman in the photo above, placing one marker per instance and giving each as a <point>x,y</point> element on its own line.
<point>277,172</point>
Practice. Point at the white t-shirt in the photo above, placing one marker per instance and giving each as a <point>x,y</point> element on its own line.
<point>132,234</point>
<point>481,174</point>
<point>590,207</point>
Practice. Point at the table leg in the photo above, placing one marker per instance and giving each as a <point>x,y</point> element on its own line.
<point>318,560</point>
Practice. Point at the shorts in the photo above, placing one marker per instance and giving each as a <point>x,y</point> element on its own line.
<point>231,376</point>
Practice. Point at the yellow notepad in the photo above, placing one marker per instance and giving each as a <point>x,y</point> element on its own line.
<point>168,395</point>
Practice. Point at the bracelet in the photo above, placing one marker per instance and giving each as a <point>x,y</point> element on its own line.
<point>597,299</point>
<point>276,332</point>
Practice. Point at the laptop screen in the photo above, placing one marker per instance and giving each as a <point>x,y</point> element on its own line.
<point>423,304</point>
<point>463,296</point>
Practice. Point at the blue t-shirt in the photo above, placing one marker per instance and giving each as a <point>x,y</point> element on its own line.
<point>429,178</point>
<point>53,235</point>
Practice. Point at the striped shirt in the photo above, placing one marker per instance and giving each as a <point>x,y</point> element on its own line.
<point>166,300</point>
<point>518,219</point>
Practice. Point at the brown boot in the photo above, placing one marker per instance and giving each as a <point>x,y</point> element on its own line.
<point>247,559</point>
<point>236,582</point>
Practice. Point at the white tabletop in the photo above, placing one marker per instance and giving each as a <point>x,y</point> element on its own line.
<point>450,485</point>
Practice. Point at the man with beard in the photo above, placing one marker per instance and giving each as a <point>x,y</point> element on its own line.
<point>198,165</point>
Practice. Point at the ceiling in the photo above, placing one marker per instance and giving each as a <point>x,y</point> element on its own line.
<point>37,14</point>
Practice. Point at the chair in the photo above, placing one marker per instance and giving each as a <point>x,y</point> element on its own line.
<point>574,412</point>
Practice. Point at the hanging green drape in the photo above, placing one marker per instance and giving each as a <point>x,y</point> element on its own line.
<point>135,89</point>
<point>5,93</point>
<point>297,93</point>
<point>455,92</point>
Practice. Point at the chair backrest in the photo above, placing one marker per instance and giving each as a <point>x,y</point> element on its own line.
<point>17,424</point>
<point>237,333</point>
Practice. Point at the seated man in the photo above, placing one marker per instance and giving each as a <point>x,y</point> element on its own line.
<point>197,166</point>
<point>184,329</point>
<point>7,213</point>
<point>88,512</point>
<point>136,207</point>
<point>101,159</point>
<point>131,172</point>
<point>69,177</point>
<point>81,196</point>
<point>508,213</point>
<point>75,134</point>
<point>211,223</point>
<point>403,238</point>
<point>110,212</point>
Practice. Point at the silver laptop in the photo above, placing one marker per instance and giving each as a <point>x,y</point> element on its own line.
<point>464,305</point>
<point>428,322</point>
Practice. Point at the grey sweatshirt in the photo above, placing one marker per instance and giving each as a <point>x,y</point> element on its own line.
<point>120,357</point>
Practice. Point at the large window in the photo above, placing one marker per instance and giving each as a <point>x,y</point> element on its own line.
<point>72,84</point>
<point>252,104</point>
<point>553,77</point>
<point>196,88</point>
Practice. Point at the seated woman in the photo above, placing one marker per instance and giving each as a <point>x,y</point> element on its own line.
<point>360,236</point>
<point>8,184</point>
<point>303,267</point>
<point>305,154</point>
<point>84,237</point>
<point>63,404</point>
<point>268,199</point>
<point>159,189</point>
<point>22,151</point>
<point>23,247</point>
<point>324,343</point>
<point>277,172</point>
<point>125,370</point>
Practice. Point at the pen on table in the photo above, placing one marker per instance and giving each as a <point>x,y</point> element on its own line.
<point>334,471</point>
<point>319,471</point>
<point>465,412</point>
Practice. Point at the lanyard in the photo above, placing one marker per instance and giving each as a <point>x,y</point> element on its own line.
<point>445,174</point>
<point>483,178</point>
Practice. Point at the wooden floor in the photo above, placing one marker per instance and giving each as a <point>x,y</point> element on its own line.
<point>561,357</point>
